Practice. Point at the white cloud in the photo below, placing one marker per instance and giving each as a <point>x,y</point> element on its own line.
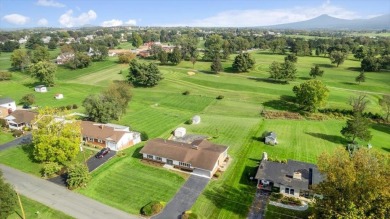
<point>43,22</point>
<point>262,17</point>
<point>115,22</point>
<point>131,22</point>
<point>16,19</point>
<point>68,20</point>
<point>112,23</point>
<point>50,3</point>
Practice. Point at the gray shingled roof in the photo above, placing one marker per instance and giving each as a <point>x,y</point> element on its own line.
<point>282,173</point>
<point>6,100</point>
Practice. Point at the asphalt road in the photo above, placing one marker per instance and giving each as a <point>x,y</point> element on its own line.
<point>25,139</point>
<point>60,198</point>
<point>184,199</point>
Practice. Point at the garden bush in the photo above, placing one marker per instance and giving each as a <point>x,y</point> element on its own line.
<point>189,215</point>
<point>217,174</point>
<point>74,106</point>
<point>152,208</point>
<point>17,133</point>
<point>69,107</point>
<point>186,92</point>
<point>144,136</point>
<point>50,168</point>
<point>290,201</point>
<point>220,97</point>
<point>188,122</point>
<point>3,123</point>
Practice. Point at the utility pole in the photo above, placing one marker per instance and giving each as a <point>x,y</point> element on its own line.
<point>21,206</point>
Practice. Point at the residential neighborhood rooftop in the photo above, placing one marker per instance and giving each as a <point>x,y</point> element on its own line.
<point>6,100</point>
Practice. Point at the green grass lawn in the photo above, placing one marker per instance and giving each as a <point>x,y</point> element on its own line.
<point>5,137</point>
<point>127,184</point>
<point>20,158</point>
<point>34,209</point>
<point>274,212</point>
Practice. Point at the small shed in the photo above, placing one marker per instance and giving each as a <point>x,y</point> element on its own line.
<point>196,119</point>
<point>180,132</point>
<point>271,139</point>
<point>40,88</point>
<point>59,96</point>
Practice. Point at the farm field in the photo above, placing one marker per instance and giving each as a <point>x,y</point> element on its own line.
<point>235,121</point>
<point>34,209</point>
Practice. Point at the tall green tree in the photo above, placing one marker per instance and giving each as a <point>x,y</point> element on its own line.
<point>7,198</point>
<point>40,53</point>
<point>357,127</point>
<point>136,40</point>
<point>163,57</point>
<point>144,75</point>
<point>311,95</point>
<point>354,186</point>
<point>360,53</point>
<point>358,103</point>
<point>10,46</point>
<point>20,59</point>
<point>119,92</point>
<point>241,44</point>
<point>337,57</point>
<point>101,108</point>
<point>28,100</point>
<point>316,71</point>
<point>361,77</point>
<point>243,62</point>
<point>291,57</point>
<point>55,140</point>
<point>98,52</point>
<point>216,65</point>
<point>33,41</point>
<point>175,56</point>
<point>80,60</point>
<point>213,47</point>
<point>282,71</point>
<point>371,64</point>
<point>384,102</point>
<point>44,71</point>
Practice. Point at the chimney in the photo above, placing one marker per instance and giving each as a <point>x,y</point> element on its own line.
<point>101,126</point>
<point>194,147</point>
<point>297,175</point>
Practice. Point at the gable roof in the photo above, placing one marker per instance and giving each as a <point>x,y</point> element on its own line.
<point>22,116</point>
<point>200,154</point>
<point>6,100</point>
<point>271,135</point>
<point>282,173</point>
<point>101,131</point>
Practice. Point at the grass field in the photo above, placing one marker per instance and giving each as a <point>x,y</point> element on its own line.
<point>34,209</point>
<point>234,121</point>
<point>5,137</point>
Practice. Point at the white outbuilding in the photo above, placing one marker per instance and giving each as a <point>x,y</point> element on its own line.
<point>180,132</point>
<point>40,88</point>
<point>59,96</point>
<point>196,119</point>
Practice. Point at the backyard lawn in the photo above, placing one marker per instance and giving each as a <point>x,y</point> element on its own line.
<point>5,137</point>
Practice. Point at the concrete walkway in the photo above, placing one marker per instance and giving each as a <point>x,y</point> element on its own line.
<point>60,198</point>
<point>25,139</point>
<point>184,199</point>
<point>304,207</point>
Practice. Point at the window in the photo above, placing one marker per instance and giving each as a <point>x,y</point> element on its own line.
<point>90,139</point>
<point>286,190</point>
<point>184,164</point>
<point>291,191</point>
<point>159,158</point>
<point>149,156</point>
<point>100,140</point>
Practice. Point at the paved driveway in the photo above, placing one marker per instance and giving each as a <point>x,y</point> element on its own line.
<point>25,139</point>
<point>59,198</point>
<point>259,204</point>
<point>185,198</point>
<point>94,162</point>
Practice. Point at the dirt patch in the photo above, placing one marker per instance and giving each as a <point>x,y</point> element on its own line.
<point>281,115</point>
<point>190,73</point>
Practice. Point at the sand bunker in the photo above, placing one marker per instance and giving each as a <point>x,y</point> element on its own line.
<point>191,73</point>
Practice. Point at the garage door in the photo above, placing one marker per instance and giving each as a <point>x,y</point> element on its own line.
<point>200,172</point>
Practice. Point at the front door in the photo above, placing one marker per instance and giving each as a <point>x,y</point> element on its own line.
<point>170,162</point>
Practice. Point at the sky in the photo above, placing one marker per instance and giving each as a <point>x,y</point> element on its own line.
<point>200,13</point>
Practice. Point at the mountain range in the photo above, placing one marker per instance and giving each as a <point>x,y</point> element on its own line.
<point>329,22</point>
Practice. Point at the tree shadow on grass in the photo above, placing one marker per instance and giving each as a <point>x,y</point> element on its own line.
<point>246,175</point>
<point>231,199</point>
<point>32,85</point>
<point>137,154</point>
<point>381,127</point>
<point>349,83</point>
<point>304,78</point>
<point>29,150</point>
<point>268,80</point>
<point>331,138</point>
<point>386,149</point>
<point>284,103</point>
<point>322,65</point>
<point>357,69</point>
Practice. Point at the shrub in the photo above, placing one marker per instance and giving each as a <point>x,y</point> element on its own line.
<point>50,168</point>
<point>152,208</point>
<point>290,201</point>
<point>277,195</point>
<point>220,97</point>
<point>189,215</point>
<point>217,174</point>
<point>17,133</point>
<point>74,106</point>
<point>186,92</point>
<point>5,76</point>
<point>188,122</point>
<point>144,136</point>
<point>3,123</point>
<point>69,107</point>
<point>78,176</point>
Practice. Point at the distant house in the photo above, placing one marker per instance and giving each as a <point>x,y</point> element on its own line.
<point>64,57</point>
<point>8,103</point>
<point>180,132</point>
<point>46,39</point>
<point>20,118</point>
<point>293,178</point>
<point>115,137</point>
<point>270,138</point>
<point>201,157</point>
<point>59,96</point>
<point>40,88</point>
<point>4,112</point>
<point>196,119</point>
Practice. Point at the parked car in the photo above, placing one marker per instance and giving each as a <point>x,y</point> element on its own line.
<point>102,152</point>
